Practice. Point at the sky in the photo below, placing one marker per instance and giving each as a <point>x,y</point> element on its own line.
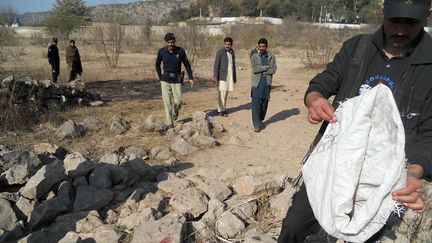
<point>22,6</point>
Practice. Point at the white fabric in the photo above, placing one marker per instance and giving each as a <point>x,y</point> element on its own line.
<point>356,165</point>
<point>228,84</point>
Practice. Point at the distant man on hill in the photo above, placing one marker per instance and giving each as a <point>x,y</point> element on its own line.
<point>73,61</point>
<point>54,59</point>
<point>171,79</point>
<point>224,74</point>
<point>263,67</point>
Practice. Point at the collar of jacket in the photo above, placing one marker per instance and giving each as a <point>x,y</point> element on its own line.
<point>420,54</point>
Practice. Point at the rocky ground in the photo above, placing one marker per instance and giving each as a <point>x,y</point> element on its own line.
<point>113,173</point>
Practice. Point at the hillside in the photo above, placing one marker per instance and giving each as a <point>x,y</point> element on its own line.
<point>130,13</point>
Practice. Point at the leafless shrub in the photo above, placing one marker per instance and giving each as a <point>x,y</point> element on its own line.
<point>321,47</point>
<point>109,40</point>
<point>16,116</point>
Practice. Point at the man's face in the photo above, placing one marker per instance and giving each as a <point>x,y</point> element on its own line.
<point>72,44</point>
<point>227,45</point>
<point>262,47</point>
<point>401,32</point>
<point>170,44</point>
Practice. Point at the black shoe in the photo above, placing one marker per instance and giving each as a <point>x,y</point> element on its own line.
<point>224,113</point>
<point>257,130</point>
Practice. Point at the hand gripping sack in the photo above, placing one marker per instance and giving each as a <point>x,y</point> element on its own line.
<point>356,165</point>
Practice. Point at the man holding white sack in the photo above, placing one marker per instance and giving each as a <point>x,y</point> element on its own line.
<point>398,55</point>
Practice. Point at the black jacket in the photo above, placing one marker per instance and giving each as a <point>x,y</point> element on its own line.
<point>53,54</point>
<point>413,96</point>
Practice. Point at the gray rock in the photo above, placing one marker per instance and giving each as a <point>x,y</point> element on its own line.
<point>215,189</point>
<point>165,176</point>
<point>96,103</point>
<point>101,177</point>
<point>250,185</point>
<point>66,189</point>
<point>111,217</point>
<point>204,141</point>
<point>91,222</point>
<point>212,173</point>
<point>53,149</point>
<point>80,181</point>
<point>174,185</point>
<point>187,131</point>
<point>131,204</point>
<point>218,128</point>
<point>119,125</point>
<point>253,236</point>
<point>77,165</point>
<point>152,200</point>
<point>10,196</point>
<point>154,124</point>
<point>92,123</point>
<point>191,202</point>
<point>70,129</point>
<point>229,226</point>
<point>103,233</point>
<point>161,153</point>
<point>71,237</point>
<point>144,216</point>
<point>203,232</point>
<point>170,228</point>
<point>112,158</point>
<point>18,166</point>
<point>138,152</point>
<point>182,147</point>
<point>91,198</point>
<point>215,209</point>
<point>43,180</point>
<point>49,210</point>
<point>200,123</point>
<point>8,220</point>
<point>25,206</point>
<point>280,203</point>
<point>145,171</point>
<point>242,208</point>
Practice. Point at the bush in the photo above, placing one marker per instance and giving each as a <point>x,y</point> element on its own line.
<point>109,40</point>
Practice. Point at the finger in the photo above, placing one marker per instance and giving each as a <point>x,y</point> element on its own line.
<point>312,117</point>
<point>329,111</point>
<point>322,114</point>
<point>410,188</point>
<point>418,206</point>
<point>411,198</point>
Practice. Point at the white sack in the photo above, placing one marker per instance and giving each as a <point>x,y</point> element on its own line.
<point>356,165</point>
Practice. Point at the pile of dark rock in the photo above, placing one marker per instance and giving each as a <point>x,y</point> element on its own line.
<point>46,94</point>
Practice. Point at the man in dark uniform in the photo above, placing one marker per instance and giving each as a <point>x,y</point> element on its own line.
<point>54,59</point>
<point>73,61</point>
<point>171,79</point>
<point>398,55</point>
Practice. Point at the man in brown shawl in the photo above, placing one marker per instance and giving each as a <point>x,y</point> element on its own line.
<point>73,61</point>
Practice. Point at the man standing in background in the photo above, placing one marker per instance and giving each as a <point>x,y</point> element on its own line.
<point>224,74</point>
<point>73,61</point>
<point>54,59</point>
<point>171,79</point>
<point>263,67</point>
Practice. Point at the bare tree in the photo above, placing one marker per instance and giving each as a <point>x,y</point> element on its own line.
<point>109,40</point>
<point>193,40</point>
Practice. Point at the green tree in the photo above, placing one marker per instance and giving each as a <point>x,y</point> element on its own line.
<point>66,16</point>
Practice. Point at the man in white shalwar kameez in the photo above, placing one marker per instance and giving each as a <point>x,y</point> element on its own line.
<point>225,74</point>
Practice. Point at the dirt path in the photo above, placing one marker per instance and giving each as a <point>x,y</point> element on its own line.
<point>279,148</point>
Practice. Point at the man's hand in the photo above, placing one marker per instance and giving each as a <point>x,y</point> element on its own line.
<point>215,80</point>
<point>191,83</point>
<point>411,195</point>
<point>319,108</point>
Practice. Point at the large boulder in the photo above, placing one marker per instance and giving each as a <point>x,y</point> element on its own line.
<point>92,123</point>
<point>171,228</point>
<point>119,125</point>
<point>145,171</point>
<point>215,189</point>
<point>192,202</point>
<point>154,124</point>
<point>100,177</point>
<point>144,216</point>
<point>280,203</point>
<point>215,209</point>
<point>174,185</point>
<point>136,151</point>
<point>229,226</point>
<point>91,198</point>
<point>49,210</point>
<point>70,129</point>
<point>8,222</point>
<point>43,180</point>
<point>182,147</point>
<point>25,206</point>
<point>77,165</point>
<point>250,185</point>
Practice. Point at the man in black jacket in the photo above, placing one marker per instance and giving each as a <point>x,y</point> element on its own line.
<point>224,74</point>
<point>399,55</point>
<point>54,59</point>
<point>171,79</point>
